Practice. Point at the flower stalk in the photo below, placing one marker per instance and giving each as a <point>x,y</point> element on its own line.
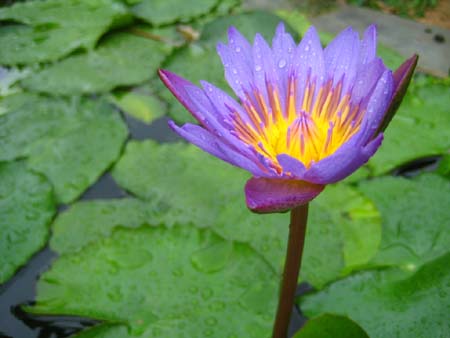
<point>296,241</point>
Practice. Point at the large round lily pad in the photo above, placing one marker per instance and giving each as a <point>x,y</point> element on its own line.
<point>177,282</point>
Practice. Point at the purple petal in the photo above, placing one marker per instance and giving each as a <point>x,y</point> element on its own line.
<point>201,107</point>
<point>367,79</point>
<point>343,162</point>
<point>177,85</point>
<point>237,61</point>
<point>341,58</point>
<point>195,100</point>
<point>291,165</point>
<point>264,195</point>
<point>402,78</point>
<point>216,147</point>
<point>283,47</point>
<point>378,103</point>
<point>308,61</point>
<point>264,68</point>
<point>223,104</point>
<point>368,49</point>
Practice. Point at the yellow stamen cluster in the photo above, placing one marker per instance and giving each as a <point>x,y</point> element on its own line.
<point>310,133</point>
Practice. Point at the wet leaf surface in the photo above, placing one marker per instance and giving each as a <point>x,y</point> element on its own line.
<point>122,59</point>
<point>419,302</point>
<point>90,221</point>
<point>157,281</point>
<point>189,181</point>
<point>416,219</point>
<point>70,141</point>
<point>51,29</point>
<point>26,208</point>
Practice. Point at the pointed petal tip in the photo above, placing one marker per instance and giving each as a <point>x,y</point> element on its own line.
<point>234,35</point>
<point>311,31</point>
<point>172,124</point>
<point>280,27</point>
<point>407,67</point>
<point>402,78</point>
<point>372,28</point>
<point>232,30</point>
<point>168,78</point>
<point>162,74</point>
<point>267,195</point>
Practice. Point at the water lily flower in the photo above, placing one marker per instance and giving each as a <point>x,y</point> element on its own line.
<point>306,116</point>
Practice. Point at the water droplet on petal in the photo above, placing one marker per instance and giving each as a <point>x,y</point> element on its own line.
<point>282,63</point>
<point>238,49</point>
<point>257,68</point>
<point>234,71</point>
<point>307,48</point>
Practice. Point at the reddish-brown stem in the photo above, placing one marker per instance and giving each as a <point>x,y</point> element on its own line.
<point>297,232</point>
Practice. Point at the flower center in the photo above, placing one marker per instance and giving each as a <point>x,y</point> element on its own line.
<point>309,130</point>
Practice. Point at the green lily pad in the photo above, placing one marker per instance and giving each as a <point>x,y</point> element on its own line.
<point>181,176</point>
<point>70,141</point>
<point>200,189</point>
<point>387,303</point>
<point>88,221</point>
<point>26,208</point>
<point>419,128</point>
<point>343,235</point>
<point>140,104</point>
<point>331,326</point>
<point>52,28</point>
<point>159,283</point>
<point>162,12</point>
<point>416,218</point>
<point>122,59</point>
